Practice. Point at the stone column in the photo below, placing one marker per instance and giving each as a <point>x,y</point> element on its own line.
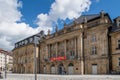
<point>65,47</point>
<point>49,51</point>
<point>82,54</point>
<point>56,49</point>
<point>78,46</point>
<point>75,47</point>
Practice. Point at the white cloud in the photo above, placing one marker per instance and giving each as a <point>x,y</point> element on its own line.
<point>10,31</point>
<point>63,9</point>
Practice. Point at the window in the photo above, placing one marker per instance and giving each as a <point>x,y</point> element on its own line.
<point>118,61</point>
<point>53,55</point>
<point>62,53</point>
<point>93,38</point>
<point>16,45</point>
<point>20,44</point>
<point>26,41</point>
<point>119,24</point>
<point>72,55</point>
<point>31,39</point>
<point>94,50</point>
<point>118,44</point>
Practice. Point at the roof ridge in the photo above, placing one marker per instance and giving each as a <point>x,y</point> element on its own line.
<point>89,14</point>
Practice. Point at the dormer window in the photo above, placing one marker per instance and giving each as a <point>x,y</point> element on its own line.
<point>31,39</point>
<point>117,21</point>
<point>16,45</point>
<point>26,41</point>
<point>20,44</point>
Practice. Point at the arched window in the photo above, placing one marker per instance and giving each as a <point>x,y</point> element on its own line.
<point>52,65</point>
<point>53,69</point>
<point>61,64</point>
<point>44,69</point>
<point>70,68</point>
<point>70,64</point>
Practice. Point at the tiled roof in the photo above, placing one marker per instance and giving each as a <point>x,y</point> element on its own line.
<point>5,52</point>
<point>88,17</point>
<point>82,17</point>
<point>114,28</point>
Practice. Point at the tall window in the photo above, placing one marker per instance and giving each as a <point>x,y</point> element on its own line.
<point>72,55</point>
<point>62,54</point>
<point>93,39</point>
<point>94,50</point>
<point>53,55</point>
<point>118,44</point>
<point>118,61</point>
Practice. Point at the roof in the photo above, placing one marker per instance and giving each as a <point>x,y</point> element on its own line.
<point>114,28</point>
<point>88,17</point>
<point>5,52</point>
<point>81,18</point>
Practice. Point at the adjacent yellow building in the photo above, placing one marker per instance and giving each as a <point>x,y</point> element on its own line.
<point>24,54</point>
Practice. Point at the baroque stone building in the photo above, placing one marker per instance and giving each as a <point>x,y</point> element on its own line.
<point>88,45</point>
<point>79,48</point>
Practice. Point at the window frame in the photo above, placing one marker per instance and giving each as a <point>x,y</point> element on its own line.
<point>119,61</point>
<point>93,38</point>
<point>94,50</point>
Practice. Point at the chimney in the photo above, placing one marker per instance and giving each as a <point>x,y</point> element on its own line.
<point>85,22</point>
<point>102,14</point>
<point>65,25</point>
<point>102,19</point>
<point>56,29</point>
<point>48,31</point>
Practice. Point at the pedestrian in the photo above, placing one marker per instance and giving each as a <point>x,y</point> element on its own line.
<point>64,72</point>
<point>0,75</point>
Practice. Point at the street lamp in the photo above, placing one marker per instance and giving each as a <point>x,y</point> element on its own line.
<point>35,64</point>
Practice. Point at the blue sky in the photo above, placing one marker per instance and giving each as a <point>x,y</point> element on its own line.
<point>22,18</point>
<point>31,8</point>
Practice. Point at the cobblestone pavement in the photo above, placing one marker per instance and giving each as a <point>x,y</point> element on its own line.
<point>61,77</point>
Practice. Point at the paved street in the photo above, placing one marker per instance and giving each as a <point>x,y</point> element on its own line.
<point>61,77</point>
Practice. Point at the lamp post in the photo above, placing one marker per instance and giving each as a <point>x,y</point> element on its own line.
<point>35,64</point>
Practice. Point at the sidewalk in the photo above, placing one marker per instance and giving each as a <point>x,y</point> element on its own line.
<point>61,77</point>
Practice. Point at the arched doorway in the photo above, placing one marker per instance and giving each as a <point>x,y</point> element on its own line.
<point>60,68</point>
<point>52,69</point>
<point>70,68</point>
<point>44,69</point>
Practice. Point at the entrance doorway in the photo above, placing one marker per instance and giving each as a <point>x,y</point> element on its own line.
<point>94,69</point>
<point>60,68</point>
<point>52,69</point>
<point>70,68</point>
